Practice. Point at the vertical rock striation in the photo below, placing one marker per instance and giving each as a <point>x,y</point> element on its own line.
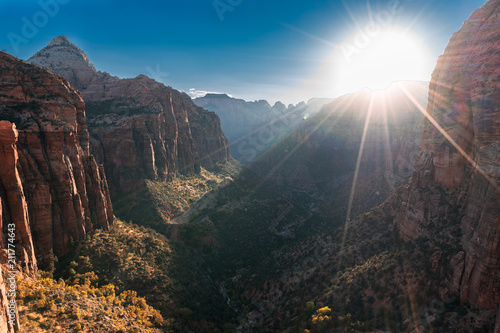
<point>12,193</point>
<point>460,175</point>
<point>138,127</point>
<point>51,188</point>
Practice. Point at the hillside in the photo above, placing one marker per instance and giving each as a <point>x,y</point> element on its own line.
<point>320,158</point>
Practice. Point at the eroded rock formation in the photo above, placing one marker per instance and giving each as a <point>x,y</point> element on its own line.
<point>51,188</point>
<point>139,128</point>
<point>459,175</point>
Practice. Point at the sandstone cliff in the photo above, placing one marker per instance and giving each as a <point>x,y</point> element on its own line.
<point>458,176</point>
<point>138,127</point>
<point>50,186</point>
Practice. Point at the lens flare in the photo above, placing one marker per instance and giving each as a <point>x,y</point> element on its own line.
<point>376,61</point>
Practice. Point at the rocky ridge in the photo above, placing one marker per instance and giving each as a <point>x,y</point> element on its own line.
<point>138,127</point>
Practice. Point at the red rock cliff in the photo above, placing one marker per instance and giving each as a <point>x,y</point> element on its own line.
<point>139,128</point>
<point>50,186</point>
<point>459,175</point>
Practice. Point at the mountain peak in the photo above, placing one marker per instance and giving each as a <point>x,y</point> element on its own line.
<point>65,58</point>
<point>60,40</point>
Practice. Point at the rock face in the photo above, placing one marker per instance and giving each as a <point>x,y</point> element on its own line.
<point>459,175</point>
<point>51,188</point>
<point>138,127</point>
<point>320,156</point>
<point>12,193</point>
<point>252,127</point>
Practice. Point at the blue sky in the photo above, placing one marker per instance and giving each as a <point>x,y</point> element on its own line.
<point>250,49</point>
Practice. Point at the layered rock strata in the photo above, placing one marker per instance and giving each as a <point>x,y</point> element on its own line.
<point>51,188</point>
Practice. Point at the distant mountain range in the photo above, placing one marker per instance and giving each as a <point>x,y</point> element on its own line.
<point>252,127</point>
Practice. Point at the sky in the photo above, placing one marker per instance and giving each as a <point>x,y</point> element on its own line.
<point>289,50</point>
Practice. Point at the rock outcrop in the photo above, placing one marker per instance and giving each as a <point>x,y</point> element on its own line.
<point>51,188</point>
<point>458,166</point>
<point>252,127</point>
<point>138,127</point>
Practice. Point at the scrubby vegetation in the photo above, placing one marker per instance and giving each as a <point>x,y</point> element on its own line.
<point>83,306</point>
<point>169,275</point>
<point>155,203</point>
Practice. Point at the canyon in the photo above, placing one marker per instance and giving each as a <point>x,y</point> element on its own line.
<point>374,211</point>
<point>319,157</point>
<point>442,227</point>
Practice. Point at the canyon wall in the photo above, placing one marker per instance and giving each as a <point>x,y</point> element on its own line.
<point>139,128</point>
<point>51,188</point>
<point>458,166</point>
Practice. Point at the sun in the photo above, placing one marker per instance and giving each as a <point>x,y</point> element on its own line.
<point>376,61</point>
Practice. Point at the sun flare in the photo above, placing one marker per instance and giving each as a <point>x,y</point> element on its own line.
<point>377,61</point>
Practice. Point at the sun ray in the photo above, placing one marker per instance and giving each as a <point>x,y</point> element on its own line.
<point>352,16</point>
<point>338,107</point>
<point>387,135</point>
<point>305,33</point>
<point>358,163</point>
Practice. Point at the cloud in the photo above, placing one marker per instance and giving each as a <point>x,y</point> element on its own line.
<point>194,93</point>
